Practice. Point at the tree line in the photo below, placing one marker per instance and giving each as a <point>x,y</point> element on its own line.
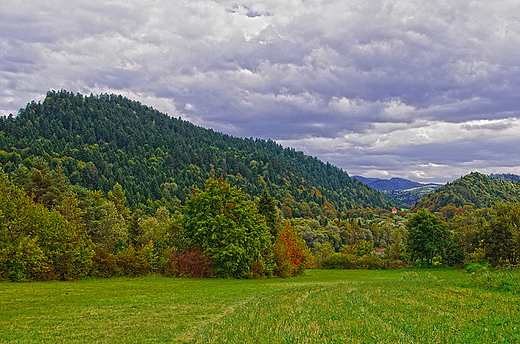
<point>53,229</point>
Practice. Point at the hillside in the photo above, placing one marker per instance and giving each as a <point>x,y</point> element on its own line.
<point>102,140</point>
<point>475,189</point>
<point>411,196</point>
<point>400,189</point>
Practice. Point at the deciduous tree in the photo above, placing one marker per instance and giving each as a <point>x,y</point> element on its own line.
<point>427,236</point>
<point>228,229</point>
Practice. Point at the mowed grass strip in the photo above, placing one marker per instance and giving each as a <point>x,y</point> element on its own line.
<point>358,306</point>
<point>422,307</point>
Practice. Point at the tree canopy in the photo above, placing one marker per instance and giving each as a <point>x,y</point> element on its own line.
<point>427,237</point>
<point>227,228</point>
<point>99,141</point>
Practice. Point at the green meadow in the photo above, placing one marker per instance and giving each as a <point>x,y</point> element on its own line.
<point>321,306</point>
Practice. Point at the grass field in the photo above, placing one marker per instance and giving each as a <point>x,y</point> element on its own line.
<point>323,306</point>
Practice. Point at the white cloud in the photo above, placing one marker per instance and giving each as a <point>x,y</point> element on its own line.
<point>372,86</point>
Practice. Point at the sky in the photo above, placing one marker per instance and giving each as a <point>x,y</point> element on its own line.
<point>425,90</point>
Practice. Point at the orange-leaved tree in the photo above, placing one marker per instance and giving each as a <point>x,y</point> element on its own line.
<point>291,254</point>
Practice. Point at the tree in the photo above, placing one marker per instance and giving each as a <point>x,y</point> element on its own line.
<point>228,229</point>
<point>106,226</point>
<point>291,254</point>
<point>47,186</point>
<point>467,229</point>
<point>37,243</point>
<point>502,235</point>
<point>427,237</point>
<point>267,208</point>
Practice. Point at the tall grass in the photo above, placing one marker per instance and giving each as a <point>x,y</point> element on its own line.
<point>503,279</point>
<point>336,306</point>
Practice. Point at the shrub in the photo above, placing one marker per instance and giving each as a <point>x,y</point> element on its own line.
<point>371,262</point>
<point>193,264</point>
<point>474,267</point>
<point>395,264</point>
<point>132,262</point>
<point>104,264</point>
<point>339,261</point>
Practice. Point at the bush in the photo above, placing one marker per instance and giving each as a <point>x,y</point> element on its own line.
<point>371,262</point>
<point>193,264</point>
<point>340,261</point>
<point>395,264</point>
<point>104,264</point>
<point>132,262</point>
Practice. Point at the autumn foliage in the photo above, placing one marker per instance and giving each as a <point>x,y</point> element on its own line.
<point>291,254</point>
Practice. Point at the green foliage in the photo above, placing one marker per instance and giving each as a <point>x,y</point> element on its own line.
<point>106,225</point>
<point>503,279</point>
<point>105,140</point>
<point>340,261</point>
<point>47,186</point>
<point>371,262</point>
<point>37,243</point>
<point>132,262</point>
<point>428,236</point>
<point>321,252</point>
<point>475,189</point>
<point>502,235</point>
<point>267,208</point>
<point>227,228</point>
<point>474,267</point>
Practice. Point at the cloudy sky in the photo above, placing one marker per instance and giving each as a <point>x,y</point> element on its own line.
<point>422,89</point>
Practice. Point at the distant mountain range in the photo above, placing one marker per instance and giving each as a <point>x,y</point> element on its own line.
<point>403,190</point>
<point>391,184</point>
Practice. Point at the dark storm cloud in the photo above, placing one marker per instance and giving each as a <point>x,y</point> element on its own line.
<point>376,87</point>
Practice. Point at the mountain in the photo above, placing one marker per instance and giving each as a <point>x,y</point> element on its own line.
<point>475,189</point>
<point>391,184</point>
<point>506,177</point>
<point>102,140</point>
<point>403,190</point>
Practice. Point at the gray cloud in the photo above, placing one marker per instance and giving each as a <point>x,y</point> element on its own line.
<point>419,89</point>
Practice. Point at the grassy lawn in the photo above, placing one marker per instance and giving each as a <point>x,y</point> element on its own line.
<point>323,306</point>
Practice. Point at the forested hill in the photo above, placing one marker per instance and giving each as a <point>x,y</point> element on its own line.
<point>102,140</point>
<point>475,189</point>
